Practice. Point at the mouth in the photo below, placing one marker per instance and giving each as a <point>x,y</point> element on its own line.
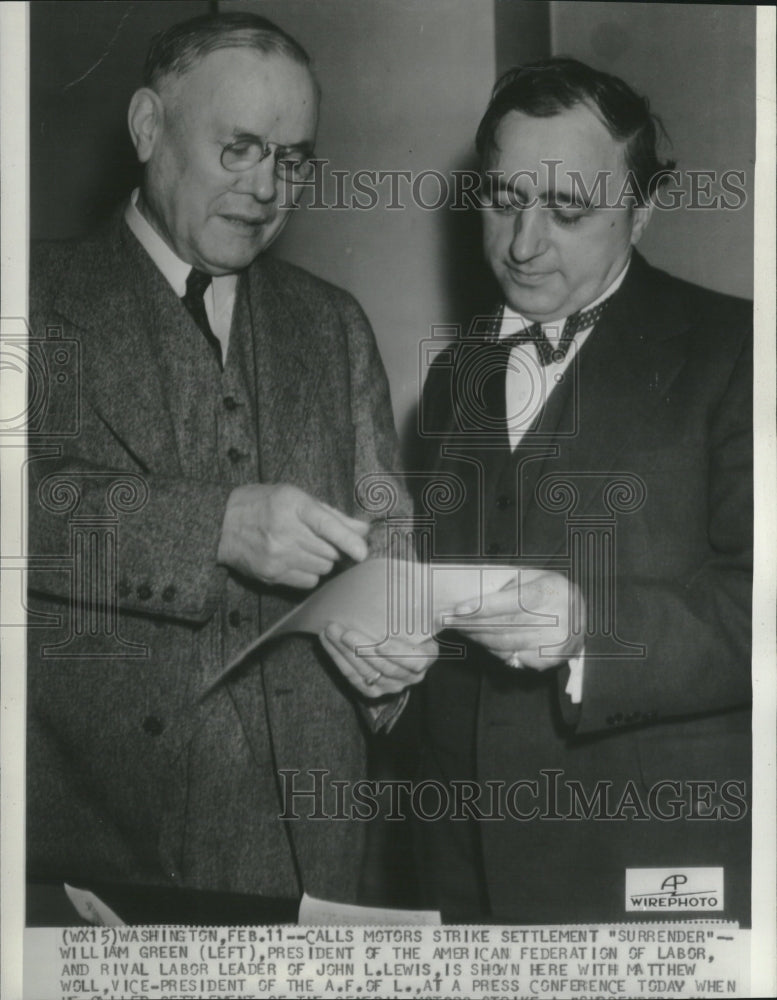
<point>523,276</point>
<point>246,223</point>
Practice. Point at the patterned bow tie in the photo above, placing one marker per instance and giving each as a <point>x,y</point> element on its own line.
<point>197,284</point>
<point>546,350</point>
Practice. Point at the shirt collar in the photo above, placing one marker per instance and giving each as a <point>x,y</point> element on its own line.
<point>512,320</point>
<point>173,269</point>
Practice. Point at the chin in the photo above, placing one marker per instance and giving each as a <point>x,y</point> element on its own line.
<point>233,259</point>
<point>533,307</point>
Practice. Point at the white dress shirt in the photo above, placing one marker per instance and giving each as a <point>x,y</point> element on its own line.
<point>219,296</point>
<point>528,386</point>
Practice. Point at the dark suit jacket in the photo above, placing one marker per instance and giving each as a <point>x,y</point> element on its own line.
<point>131,777</point>
<point>637,481</point>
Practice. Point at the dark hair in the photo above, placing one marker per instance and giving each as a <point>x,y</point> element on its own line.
<point>175,50</point>
<point>543,89</point>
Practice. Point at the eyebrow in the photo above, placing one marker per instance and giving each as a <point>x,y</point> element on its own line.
<point>245,135</point>
<point>551,197</point>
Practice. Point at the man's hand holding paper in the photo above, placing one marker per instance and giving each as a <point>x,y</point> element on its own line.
<point>398,664</point>
<point>278,534</point>
<point>391,604</point>
<point>528,623</point>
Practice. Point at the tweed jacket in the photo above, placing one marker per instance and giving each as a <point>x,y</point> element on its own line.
<point>132,775</point>
<point>637,483</point>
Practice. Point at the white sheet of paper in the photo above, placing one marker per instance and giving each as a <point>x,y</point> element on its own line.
<point>92,908</point>
<point>314,911</point>
<point>390,597</point>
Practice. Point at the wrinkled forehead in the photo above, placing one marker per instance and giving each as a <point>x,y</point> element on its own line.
<point>574,141</point>
<point>244,87</point>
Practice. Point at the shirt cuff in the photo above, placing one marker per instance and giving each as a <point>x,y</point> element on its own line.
<point>574,686</point>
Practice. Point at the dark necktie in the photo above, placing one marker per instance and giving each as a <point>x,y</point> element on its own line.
<point>547,351</point>
<point>196,285</point>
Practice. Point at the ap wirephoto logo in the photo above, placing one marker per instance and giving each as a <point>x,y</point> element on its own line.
<point>695,890</point>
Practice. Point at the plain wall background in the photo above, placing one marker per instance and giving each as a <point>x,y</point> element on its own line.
<point>696,64</point>
<point>405,83</point>
<point>86,60</point>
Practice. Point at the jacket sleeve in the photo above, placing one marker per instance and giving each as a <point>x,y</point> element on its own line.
<point>696,628</point>
<point>88,501</point>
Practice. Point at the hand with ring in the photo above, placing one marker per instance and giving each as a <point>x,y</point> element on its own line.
<point>529,622</point>
<point>397,665</point>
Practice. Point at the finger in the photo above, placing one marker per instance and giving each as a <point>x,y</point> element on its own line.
<point>288,565</point>
<point>309,541</point>
<point>501,602</point>
<point>413,657</point>
<point>396,659</point>
<point>294,578</point>
<point>308,562</point>
<point>368,674</point>
<point>376,667</point>
<point>378,672</point>
<point>348,669</point>
<point>331,528</point>
<point>360,527</point>
<point>500,643</point>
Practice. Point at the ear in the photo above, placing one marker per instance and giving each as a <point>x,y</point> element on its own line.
<point>640,218</point>
<point>145,121</point>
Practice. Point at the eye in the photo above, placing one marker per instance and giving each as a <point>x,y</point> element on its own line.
<point>243,147</point>
<point>568,216</point>
<point>291,155</point>
<point>506,203</point>
<point>241,154</point>
<point>293,164</point>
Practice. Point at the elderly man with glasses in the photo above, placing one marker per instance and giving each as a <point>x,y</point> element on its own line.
<point>241,399</point>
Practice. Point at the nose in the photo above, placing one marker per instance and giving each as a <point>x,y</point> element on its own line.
<point>260,180</point>
<point>528,240</point>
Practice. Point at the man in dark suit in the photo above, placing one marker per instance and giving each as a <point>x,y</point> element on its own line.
<point>596,712</point>
<point>225,404</point>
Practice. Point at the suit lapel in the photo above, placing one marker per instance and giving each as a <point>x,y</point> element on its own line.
<point>112,300</point>
<point>289,365</point>
<point>620,376</point>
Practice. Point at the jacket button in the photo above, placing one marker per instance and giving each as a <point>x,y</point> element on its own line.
<point>494,549</point>
<point>234,455</point>
<point>230,403</point>
<point>153,726</point>
<point>169,593</point>
<point>234,619</point>
<point>503,502</point>
<point>144,592</point>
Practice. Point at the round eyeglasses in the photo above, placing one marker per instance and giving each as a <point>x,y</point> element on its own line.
<point>293,164</point>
